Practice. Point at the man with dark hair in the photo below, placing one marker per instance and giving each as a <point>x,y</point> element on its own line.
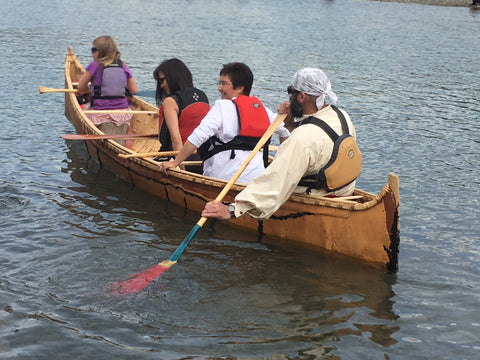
<point>304,160</point>
<point>231,129</point>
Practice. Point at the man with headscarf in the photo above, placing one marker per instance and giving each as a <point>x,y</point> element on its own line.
<point>308,149</point>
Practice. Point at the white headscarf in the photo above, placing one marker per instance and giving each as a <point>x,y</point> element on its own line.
<point>313,81</point>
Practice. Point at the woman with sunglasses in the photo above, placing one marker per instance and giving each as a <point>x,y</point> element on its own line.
<point>111,81</point>
<point>181,105</point>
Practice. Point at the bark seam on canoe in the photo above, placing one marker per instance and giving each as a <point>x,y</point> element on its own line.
<point>165,184</point>
<point>392,212</point>
<point>291,216</point>
<point>260,231</point>
<point>393,250</point>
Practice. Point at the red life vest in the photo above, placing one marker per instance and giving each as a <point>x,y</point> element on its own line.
<point>193,106</point>
<point>253,122</point>
<point>252,116</point>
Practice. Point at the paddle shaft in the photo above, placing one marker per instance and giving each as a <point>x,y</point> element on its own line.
<point>267,135</point>
<point>44,89</point>
<point>137,283</point>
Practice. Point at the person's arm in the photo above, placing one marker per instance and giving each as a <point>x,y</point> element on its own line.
<point>281,131</point>
<point>170,115</point>
<point>207,128</point>
<point>132,85</point>
<point>83,82</point>
<point>267,192</point>
<point>187,149</point>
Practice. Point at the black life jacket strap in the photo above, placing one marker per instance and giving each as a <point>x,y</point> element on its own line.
<point>343,121</point>
<point>330,132</point>
<point>237,143</point>
<point>319,180</point>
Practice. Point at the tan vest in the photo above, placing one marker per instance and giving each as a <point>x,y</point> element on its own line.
<point>344,165</point>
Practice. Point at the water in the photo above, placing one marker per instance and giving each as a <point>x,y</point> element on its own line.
<point>409,77</point>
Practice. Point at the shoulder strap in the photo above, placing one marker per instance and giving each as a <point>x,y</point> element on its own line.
<point>322,124</point>
<point>330,132</point>
<point>343,121</point>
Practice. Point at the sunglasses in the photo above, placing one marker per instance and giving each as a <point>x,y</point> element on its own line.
<point>94,49</point>
<point>161,79</point>
<point>224,83</point>
<point>291,90</point>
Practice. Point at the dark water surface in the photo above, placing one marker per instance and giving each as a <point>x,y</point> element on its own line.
<point>409,77</point>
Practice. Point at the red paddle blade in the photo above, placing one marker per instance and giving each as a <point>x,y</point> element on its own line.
<point>137,282</point>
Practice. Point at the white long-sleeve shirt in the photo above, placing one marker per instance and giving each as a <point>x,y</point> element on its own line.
<point>305,152</point>
<point>222,122</point>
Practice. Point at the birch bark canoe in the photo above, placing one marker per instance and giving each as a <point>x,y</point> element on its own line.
<point>364,227</point>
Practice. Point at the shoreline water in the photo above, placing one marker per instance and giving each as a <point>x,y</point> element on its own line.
<point>462,3</point>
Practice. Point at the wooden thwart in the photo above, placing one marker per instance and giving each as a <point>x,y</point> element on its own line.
<point>339,199</point>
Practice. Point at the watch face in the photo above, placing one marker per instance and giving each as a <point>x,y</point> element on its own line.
<point>231,208</point>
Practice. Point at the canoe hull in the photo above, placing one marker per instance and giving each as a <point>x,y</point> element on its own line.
<point>367,229</point>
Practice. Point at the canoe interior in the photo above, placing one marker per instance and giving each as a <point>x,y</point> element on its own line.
<point>366,228</point>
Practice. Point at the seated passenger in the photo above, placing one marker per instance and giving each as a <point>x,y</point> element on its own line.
<point>303,162</point>
<point>181,106</point>
<point>111,81</point>
<point>231,129</point>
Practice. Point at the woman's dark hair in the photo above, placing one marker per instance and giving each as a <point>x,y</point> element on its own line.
<point>176,74</point>
<point>240,75</point>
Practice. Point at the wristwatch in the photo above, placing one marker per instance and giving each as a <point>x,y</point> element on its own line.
<point>231,210</point>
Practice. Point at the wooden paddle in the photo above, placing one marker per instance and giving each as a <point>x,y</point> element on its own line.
<point>44,89</point>
<point>107,136</point>
<point>137,282</point>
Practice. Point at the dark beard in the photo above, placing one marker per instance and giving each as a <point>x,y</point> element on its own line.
<point>296,109</point>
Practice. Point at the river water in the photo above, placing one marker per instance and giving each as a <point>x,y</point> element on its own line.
<point>409,77</point>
